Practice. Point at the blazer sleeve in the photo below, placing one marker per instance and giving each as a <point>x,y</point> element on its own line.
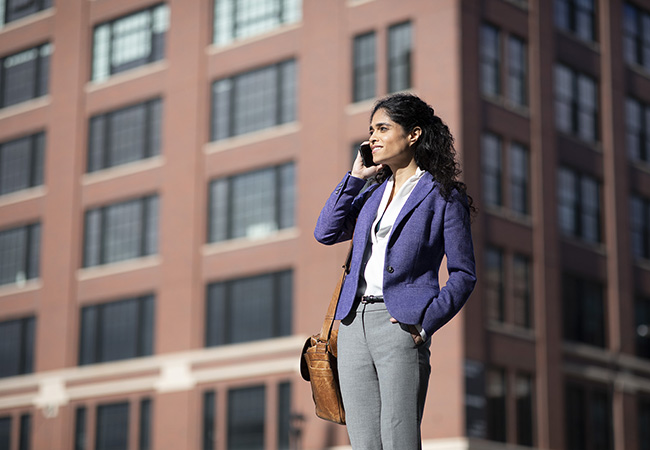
<point>459,250</point>
<point>338,216</point>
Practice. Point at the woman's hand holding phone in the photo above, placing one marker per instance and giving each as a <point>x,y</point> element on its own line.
<point>359,167</point>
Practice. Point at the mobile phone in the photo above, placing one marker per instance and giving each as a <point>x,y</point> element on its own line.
<point>366,155</point>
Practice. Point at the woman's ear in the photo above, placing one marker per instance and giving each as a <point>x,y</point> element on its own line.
<point>414,135</point>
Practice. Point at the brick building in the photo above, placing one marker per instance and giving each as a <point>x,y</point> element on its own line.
<point>162,166</point>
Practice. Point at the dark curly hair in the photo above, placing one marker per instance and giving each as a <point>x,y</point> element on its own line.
<point>434,150</point>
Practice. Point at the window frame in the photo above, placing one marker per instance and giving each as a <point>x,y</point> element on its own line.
<point>41,72</point>
<point>104,67</point>
<point>219,319</point>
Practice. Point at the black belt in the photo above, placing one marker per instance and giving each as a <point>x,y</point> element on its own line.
<point>372,299</point>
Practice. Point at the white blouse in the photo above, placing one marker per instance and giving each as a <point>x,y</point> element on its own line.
<point>375,254</point>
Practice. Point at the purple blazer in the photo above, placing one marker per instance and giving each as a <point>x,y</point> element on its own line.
<point>427,227</point>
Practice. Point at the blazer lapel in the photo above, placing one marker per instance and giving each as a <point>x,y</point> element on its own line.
<point>369,212</point>
<point>419,193</point>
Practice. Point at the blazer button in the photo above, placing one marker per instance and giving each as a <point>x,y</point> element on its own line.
<point>390,269</point>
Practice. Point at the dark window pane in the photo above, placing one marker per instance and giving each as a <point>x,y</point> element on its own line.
<point>494,292</point>
<point>21,163</point>
<point>121,231</point>
<point>24,75</point>
<point>579,209</point>
<point>246,414</point>
<point>17,9</point>
<point>576,17</point>
<point>252,205</point>
<point>254,100</point>
<point>524,406</point>
<point>284,415</point>
<point>25,436</point>
<point>399,57</point>
<point>5,432</point>
<point>521,291</point>
<point>17,347</point>
<point>642,330</point>
<point>112,427</point>
<point>19,254</point>
<point>490,60</point>
<point>584,311</point>
<point>492,166</point>
<point>643,424</point>
<point>129,41</point>
<point>209,407</point>
<point>517,72</point>
<point>496,404</point>
<point>80,437</point>
<point>116,330</point>
<point>249,309</point>
<point>364,74</point>
<point>145,425</point>
<point>519,176</point>
<point>123,136</point>
<point>576,104</point>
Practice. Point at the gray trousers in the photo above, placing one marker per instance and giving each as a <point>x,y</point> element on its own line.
<point>383,378</point>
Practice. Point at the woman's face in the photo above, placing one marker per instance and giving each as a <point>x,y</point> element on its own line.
<point>390,144</point>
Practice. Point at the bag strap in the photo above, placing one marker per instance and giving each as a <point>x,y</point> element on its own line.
<point>326,331</point>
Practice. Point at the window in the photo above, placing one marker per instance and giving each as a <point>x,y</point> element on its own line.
<point>116,330</point>
<point>121,231</point>
<point>640,224</point>
<point>519,178</point>
<point>491,165</point>
<point>249,309</point>
<point>245,423</point>
<point>637,120</point>
<point>238,19</point>
<point>21,163</point>
<point>20,254</point>
<point>584,311</point>
<point>642,322</point>
<point>254,100</point>
<point>507,287</point>
<point>636,36</point>
<point>521,291</point>
<point>17,346</point>
<point>503,389</point>
<point>490,60</point>
<point>517,75</point>
<point>496,396</point>
<point>399,57</point>
<point>494,291</point>
<point>524,408</point>
<point>579,208</point>
<point>11,10</point>
<point>643,424</point>
<point>588,417</point>
<point>126,135</point>
<point>576,104</point>
<point>25,75</point>
<point>130,41</point>
<point>364,70</point>
<point>112,425</point>
<point>253,204</point>
<point>246,415</point>
<point>576,17</point>
<point>497,65</point>
<point>516,180</point>
<point>24,432</point>
<point>284,416</point>
<point>209,417</point>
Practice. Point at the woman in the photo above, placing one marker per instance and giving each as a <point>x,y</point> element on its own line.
<point>391,302</point>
